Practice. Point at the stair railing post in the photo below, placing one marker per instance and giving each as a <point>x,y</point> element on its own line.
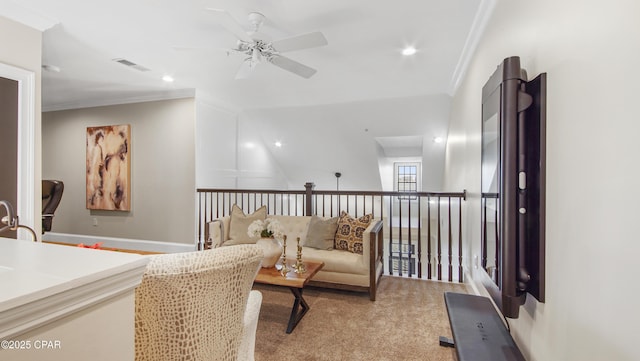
<point>308,187</point>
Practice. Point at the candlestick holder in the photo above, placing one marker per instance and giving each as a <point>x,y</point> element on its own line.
<point>299,267</point>
<point>284,270</point>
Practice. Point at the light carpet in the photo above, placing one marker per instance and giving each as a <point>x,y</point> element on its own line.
<point>404,323</point>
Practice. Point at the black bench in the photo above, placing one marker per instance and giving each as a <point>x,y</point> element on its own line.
<point>478,331</point>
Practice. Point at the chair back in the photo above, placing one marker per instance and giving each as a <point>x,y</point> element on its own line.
<point>190,306</point>
<point>51,196</point>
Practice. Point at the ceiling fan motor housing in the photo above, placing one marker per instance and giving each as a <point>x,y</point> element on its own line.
<point>257,50</point>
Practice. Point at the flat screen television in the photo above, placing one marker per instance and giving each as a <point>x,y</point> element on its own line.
<point>513,186</point>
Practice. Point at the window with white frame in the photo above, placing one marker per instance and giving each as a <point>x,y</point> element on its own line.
<point>407,178</point>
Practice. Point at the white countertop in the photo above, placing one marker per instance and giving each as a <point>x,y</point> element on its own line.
<point>42,282</point>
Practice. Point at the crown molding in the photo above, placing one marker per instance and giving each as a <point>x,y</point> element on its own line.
<point>149,97</point>
<point>485,10</point>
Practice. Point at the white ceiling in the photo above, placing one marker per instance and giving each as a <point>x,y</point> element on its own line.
<point>361,64</point>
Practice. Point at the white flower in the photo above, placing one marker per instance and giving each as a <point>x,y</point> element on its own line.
<point>255,228</point>
<point>265,228</point>
<point>275,228</point>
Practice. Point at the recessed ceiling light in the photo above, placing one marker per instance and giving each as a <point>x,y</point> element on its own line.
<point>438,140</point>
<point>168,78</point>
<point>409,50</point>
<point>278,144</point>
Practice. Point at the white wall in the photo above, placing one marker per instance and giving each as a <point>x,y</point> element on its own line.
<point>216,135</point>
<point>231,152</point>
<point>323,139</point>
<point>162,170</point>
<point>590,51</point>
<point>257,168</point>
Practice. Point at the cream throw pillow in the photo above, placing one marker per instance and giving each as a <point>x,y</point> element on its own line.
<point>321,233</point>
<point>239,224</point>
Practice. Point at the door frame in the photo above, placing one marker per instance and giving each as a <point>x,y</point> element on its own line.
<point>25,208</point>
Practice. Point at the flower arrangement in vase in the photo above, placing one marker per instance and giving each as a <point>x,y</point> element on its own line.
<point>269,231</point>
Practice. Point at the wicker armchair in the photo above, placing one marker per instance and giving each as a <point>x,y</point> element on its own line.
<point>198,306</point>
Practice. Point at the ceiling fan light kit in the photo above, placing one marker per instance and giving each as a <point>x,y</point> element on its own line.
<point>257,50</point>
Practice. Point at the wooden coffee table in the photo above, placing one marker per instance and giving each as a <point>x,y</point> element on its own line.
<point>295,282</point>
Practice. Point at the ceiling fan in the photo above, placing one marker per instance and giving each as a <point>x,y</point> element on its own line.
<point>258,51</point>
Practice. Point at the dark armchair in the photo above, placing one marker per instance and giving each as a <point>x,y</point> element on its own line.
<point>51,195</point>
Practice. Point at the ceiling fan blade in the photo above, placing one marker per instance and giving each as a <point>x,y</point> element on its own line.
<point>293,66</point>
<point>228,22</point>
<point>200,50</point>
<point>298,42</point>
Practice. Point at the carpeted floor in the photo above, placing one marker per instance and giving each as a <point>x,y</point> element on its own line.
<point>402,324</point>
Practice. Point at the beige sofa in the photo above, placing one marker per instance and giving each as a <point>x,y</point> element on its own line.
<point>342,269</point>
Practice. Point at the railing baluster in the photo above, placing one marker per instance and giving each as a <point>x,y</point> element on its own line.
<point>439,244</point>
<point>419,258</point>
<point>410,241</point>
<point>223,201</point>
<point>460,270</point>
<point>450,241</point>
<point>200,247</point>
<point>483,260</point>
<point>400,262</point>
<point>331,205</point>
<point>355,202</point>
<point>324,206</point>
<point>217,203</point>
<point>498,245</point>
<point>348,204</point>
<point>429,266</point>
<point>390,220</point>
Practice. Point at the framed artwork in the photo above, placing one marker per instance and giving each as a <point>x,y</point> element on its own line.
<point>109,168</point>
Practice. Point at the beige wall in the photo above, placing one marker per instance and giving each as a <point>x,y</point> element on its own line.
<point>22,48</point>
<point>590,51</point>
<point>162,170</point>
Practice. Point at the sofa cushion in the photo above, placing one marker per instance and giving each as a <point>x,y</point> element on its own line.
<point>239,224</point>
<point>350,232</point>
<point>294,227</point>
<point>321,233</point>
<point>334,260</point>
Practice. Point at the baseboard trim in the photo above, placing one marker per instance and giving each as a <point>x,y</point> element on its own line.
<point>124,243</point>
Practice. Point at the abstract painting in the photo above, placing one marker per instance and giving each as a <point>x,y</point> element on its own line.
<point>108,168</point>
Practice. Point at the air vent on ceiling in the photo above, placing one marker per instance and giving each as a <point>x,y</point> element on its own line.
<point>130,64</point>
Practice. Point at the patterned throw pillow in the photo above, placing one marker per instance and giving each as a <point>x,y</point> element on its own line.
<point>351,231</point>
<point>239,224</point>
